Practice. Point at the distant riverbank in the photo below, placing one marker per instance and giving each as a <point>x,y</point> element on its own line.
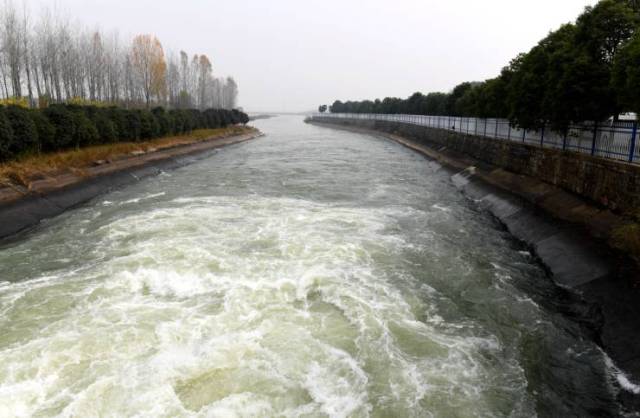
<point>261,116</point>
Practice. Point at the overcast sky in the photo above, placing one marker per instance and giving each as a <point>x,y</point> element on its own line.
<point>292,55</point>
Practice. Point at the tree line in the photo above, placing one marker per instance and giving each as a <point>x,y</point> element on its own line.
<point>68,126</point>
<point>50,60</point>
<point>588,70</point>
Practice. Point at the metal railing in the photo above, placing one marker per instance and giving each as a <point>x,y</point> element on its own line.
<point>613,140</point>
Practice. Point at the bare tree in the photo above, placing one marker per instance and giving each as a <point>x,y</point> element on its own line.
<point>173,81</point>
<point>148,64</point>
<point>230,93</point>
<point>204,77</point>
<point>12,46</point>
<point>26,43</point>
<point>51,60</point>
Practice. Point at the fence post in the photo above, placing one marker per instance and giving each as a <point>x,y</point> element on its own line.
<point>496,135</point>
<point>595,136</point>
<point>564,139</point>
<point>509,134</point>
<point>524,135</point>
<point>632,152</point>
<point>542,136</point>
<point>485,128</point>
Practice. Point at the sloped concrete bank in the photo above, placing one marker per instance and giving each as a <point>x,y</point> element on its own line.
<point>21,209</point>
<point>566,231</point>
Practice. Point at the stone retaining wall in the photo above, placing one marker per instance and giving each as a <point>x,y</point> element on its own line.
<point>611,184</point>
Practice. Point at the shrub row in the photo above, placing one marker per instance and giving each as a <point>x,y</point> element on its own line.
<point>65,126</point>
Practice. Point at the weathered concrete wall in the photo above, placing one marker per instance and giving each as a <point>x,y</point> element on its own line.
<point>611,184</point>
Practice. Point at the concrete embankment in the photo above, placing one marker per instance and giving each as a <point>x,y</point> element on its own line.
<point>22,208</point>
<point>561,204</point>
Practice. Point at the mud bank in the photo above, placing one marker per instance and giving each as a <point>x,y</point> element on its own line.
<point>21,208</point>
<point>566,232</point>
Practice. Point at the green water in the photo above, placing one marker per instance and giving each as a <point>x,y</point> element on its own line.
<point>309,273</point>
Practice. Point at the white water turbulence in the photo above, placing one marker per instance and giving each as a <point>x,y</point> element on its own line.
<point>309,273</point>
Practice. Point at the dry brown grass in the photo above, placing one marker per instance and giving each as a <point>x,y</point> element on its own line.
<point>28,168</point>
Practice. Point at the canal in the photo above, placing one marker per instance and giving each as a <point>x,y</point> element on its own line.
<point>312,272</point>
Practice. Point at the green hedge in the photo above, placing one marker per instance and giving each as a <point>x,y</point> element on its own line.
<point>60,127</point>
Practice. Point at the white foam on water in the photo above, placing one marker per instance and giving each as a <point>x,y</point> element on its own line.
<point>441,208</point>
<point>225,306</point>
<point>621,377</point>
<point>142,198</point>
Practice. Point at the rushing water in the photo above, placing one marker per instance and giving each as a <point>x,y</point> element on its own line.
<point>312,272</point>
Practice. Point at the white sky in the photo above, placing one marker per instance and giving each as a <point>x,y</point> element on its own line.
<point>290,55</point>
